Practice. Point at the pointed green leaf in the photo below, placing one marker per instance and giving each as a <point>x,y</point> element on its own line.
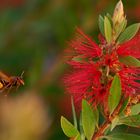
<point>88,120</point>
<point>73,112</point>
<point>115,93</point>
<point>118,29</point>
<point>101,24</point>
<point>81,128</point>
<point>96,116</point>
<point>133,121</point>
<point>135,109</point>
<point>124,106</point>
<point>130,61</point>
<point>114,123</point>
<point>123,136</point>
<point>129,33</point>
<point>107,30</point>
<point>68,128</point>
<point>78,137</point>
<point>110,18</point>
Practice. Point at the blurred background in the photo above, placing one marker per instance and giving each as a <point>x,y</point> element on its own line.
<point>33,36</point>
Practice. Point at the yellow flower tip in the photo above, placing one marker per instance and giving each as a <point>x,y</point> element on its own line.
<point>118,15</point>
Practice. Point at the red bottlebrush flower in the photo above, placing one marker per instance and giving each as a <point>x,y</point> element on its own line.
<point>130,48</point>
<point>129,79</point>
<point>84,81</point>
<point>130,75</point>
<point>84,46</point>
<point>92,76</point>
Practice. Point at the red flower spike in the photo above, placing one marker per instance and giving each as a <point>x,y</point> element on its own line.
<point>83,45</point>
<point>112,61</point>
<point>129,79</point>
<point>130,48</point>
<point>83,81</point>
<point>91,78</point>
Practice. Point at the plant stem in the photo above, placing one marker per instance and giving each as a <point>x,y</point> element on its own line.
<point>107,123</point>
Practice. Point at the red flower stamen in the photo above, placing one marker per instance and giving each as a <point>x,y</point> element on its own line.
<point>91,78</point>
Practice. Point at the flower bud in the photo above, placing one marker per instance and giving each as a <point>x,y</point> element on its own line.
<point>118,15</point>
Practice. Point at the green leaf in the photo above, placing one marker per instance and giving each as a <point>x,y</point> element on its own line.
<point>129,33</point>
<point>124,106</point>
<point>123,136</point>
<point>118,29</point>
<point>101,24</point>
<point>133,121</point>
<point>81,128</point>
<point>88,120</point>
<point>73,112</point>
<point>110,18</point>
<point>130,61</point>
<point>68,129</point>
<point>96,116</point>
<point>78,137</point>
<point>115,93</point>
<point>135,109</point>
<point>114,123</point>
<point>107,30</point>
